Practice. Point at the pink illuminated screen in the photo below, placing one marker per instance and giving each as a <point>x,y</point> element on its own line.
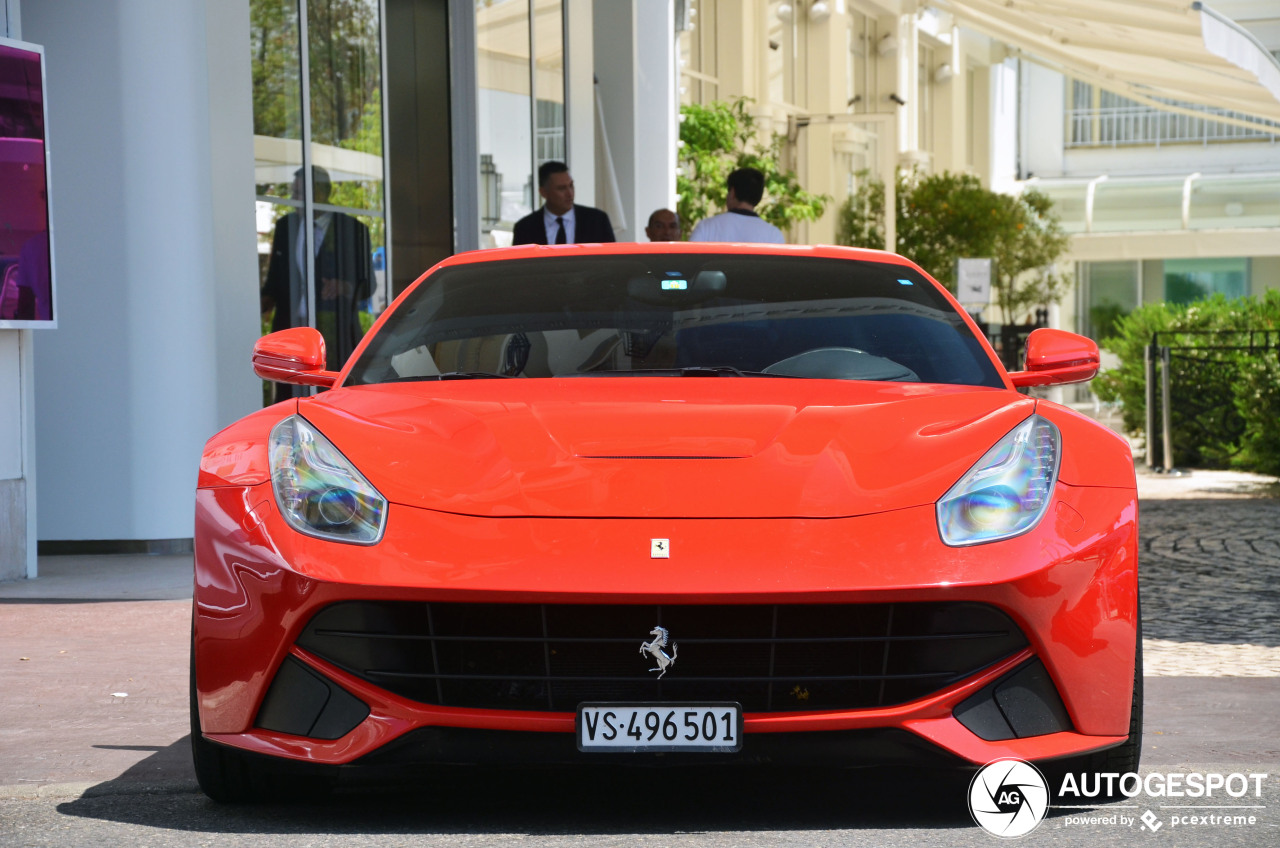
<point>26,281</point>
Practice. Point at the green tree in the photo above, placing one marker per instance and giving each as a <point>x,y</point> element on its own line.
<point>345,66</point>
<point>344,84</point>
<point>944,217</point>
<point>721,137</point>
<point>277,95</point>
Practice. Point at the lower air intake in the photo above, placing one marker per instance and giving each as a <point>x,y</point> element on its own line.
<point>769,658</point>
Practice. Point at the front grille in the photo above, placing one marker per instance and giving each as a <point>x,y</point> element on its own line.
<point>770,658</point>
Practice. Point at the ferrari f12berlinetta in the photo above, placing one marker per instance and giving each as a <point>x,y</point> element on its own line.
<point>664,503</point>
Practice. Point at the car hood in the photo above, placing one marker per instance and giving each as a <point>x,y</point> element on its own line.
<point>664,447</point>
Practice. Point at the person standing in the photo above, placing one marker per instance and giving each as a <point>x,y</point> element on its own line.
<point>664,225</point>
<point>560,220</point>
<point>740,222</point>
<point>343,275</point>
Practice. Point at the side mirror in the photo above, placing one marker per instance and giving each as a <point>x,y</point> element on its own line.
<point>293,356</point>
<point>1055,357</point>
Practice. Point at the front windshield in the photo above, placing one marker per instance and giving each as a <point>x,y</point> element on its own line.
<point>678,314</point>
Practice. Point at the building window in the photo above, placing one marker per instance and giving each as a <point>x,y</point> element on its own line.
<point>785,49</point>
<point>548,82</point>
<point>699,68</point>
<point>1111,290</point>
<point>924,97</point>
<point>521,108</point>
<point>1189,280</point>
<point>1099,118</point>
<point>319,166</point>
<point>862,69</point>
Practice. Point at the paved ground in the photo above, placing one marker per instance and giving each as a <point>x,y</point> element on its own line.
<point>1210,575</point>
<point>93,654</point>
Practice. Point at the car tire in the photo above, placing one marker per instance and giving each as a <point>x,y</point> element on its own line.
<point>231,776</point>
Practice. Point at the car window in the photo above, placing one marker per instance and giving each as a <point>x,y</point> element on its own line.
<point>645,314</point>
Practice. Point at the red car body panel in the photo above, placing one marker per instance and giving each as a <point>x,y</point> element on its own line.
<point>770,491</point>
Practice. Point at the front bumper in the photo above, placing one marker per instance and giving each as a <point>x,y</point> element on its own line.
<point>1070,586</point>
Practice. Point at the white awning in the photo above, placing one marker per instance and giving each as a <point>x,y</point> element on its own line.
<point>1142,49</point>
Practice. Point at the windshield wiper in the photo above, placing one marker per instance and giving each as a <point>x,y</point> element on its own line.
<point>713,371</point>
<point>472,375</point>
<point>452,375</point>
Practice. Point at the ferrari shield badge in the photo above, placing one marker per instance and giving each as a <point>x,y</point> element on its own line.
<point>659,548</point>
<point>655,650</point>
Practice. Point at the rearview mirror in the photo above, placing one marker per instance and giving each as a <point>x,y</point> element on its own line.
<point>294,356</point>
<point>1055,357</point>
<point>676,288</point>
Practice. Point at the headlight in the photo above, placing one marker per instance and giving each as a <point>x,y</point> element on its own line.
<point>319,492</point>
<point>1007,492</point>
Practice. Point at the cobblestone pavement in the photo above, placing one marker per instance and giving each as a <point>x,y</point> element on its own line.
<point>1210,575</point>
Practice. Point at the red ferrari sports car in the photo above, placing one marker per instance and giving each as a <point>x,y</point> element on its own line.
<point>672,503</point>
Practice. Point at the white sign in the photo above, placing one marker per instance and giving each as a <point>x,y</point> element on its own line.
<point>973,281</point>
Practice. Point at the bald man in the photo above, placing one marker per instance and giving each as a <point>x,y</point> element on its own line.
<point>664,225</point>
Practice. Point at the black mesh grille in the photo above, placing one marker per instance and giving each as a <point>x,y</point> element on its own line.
<point>770,658</point>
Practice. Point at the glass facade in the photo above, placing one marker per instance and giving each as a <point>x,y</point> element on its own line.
<point>320,152</point>
<point>1110,290</point>
<point>319,168</point>
<point>521,108</point>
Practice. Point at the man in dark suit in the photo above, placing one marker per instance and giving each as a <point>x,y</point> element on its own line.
<point>559,221</point>
<point>343,275</point>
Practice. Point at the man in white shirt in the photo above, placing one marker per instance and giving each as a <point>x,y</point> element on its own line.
<point>740,223</point>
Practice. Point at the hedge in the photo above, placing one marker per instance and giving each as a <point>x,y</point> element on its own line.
<point>1225,403</point>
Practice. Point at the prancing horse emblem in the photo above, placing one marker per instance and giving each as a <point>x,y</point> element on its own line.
<point>655,647</point>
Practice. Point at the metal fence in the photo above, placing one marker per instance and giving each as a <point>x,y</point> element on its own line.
<point>1122,126</point>
<point>1210,361</point>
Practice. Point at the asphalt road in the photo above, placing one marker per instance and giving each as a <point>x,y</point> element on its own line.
<point>612,809</point>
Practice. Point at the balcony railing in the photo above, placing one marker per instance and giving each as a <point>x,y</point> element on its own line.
<point>1131,126</point>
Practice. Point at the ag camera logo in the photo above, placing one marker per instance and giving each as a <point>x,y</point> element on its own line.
<point>1008,798</point>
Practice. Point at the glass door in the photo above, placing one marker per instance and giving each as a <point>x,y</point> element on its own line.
<point>319,169</point>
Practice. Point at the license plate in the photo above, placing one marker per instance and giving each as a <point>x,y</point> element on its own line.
<point>659,727</point>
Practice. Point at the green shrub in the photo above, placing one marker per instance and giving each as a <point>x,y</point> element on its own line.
<point>1225,403</point>
<point>1257,398</point>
